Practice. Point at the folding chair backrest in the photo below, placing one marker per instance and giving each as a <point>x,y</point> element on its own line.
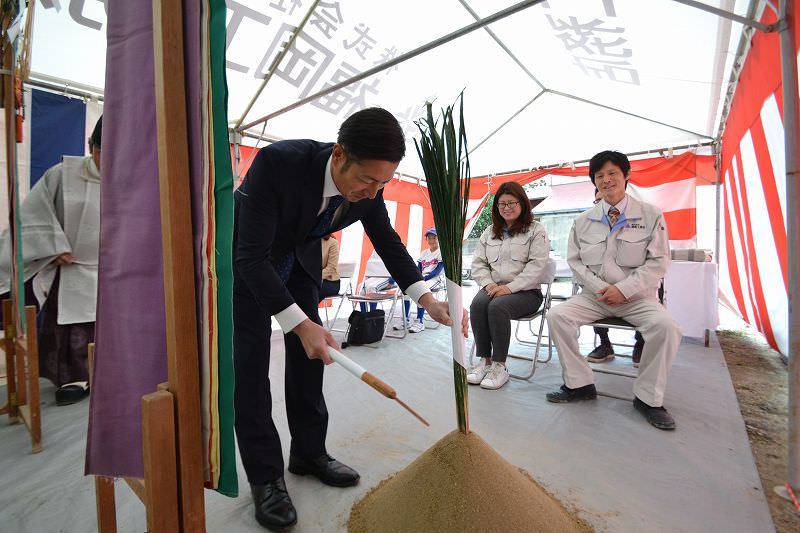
<point>346,271</point>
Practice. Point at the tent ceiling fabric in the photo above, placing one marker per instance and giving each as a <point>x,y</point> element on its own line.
<point>654,59</point>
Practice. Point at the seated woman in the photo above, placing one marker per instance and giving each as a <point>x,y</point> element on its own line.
<point>330,268</point>
<point>508,264</point>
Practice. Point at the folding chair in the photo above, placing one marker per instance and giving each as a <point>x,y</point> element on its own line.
<point>380,298</point>
<point>541,314</point>
<point>618,323</point>
<point>345,272</point>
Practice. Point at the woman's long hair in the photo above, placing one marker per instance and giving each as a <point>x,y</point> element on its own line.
<point>523,221</point>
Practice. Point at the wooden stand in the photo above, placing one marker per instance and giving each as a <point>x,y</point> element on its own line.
<point>159,493</point>
<point>22,369</point>
<point>172,490</point>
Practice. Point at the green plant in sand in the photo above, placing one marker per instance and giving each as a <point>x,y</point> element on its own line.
<point>442,150</point>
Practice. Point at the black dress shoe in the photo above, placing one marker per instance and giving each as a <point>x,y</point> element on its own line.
<point>71,393</point>
<point>601,354</point>
<point>274,509</point>
<point>326,468</point>
<point>587,392</point>
<point>657,416</point>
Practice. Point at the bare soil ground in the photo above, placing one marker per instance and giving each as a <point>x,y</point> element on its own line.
<point>760,379</point>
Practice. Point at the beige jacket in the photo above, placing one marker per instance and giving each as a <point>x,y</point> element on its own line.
<point>330,259</point>
<point>519,262</point>
<point>634,258</point>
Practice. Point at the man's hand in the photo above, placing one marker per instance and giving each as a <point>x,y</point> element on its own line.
<point>611,295</point>
<point>315,340</point>
<point>497,290</point>
<point>64,259</point>
<point>440,312</point>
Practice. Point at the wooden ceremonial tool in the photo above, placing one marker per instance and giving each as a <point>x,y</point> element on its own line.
<point>371,380</point>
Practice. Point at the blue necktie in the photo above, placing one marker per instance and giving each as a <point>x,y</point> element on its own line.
<point>285,264</point>
<point>324,220</point>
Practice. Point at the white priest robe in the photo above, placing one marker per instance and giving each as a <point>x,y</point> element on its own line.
<point>61,214</point>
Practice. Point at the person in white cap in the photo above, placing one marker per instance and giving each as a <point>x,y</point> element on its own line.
<point>431,266</point>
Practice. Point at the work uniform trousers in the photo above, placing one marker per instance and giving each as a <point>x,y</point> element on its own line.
<point>661,334</point>
<point>491,320</point>
<point>259,442</point>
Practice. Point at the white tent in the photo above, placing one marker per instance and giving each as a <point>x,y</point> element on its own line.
<point>545,82</point>
<point>553,83</point>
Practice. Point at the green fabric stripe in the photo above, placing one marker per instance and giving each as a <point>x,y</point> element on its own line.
<point>223,198</point>
<point>19,271</point>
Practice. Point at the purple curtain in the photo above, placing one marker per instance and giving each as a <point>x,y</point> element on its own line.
<point>131,342</point>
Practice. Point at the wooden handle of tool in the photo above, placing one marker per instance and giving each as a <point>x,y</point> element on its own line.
<point>379,385</point>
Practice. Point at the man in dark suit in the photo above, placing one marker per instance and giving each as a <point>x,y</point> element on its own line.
<point>294,193</point>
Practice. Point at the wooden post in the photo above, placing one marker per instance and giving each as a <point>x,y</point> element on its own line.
<point>178,256</point>
<point>160,469</point>
<point>11,164</point>
<point>106,504</point>
<point>9,335</point>
<point>34,409</point>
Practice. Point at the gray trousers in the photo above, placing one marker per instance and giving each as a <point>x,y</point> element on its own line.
<point>491,320</point>
<point>661,334</point>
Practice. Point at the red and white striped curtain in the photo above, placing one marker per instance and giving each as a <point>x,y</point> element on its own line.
<point>668,183</point>
<point>753,257</point>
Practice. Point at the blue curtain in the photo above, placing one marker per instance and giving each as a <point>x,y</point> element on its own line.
<point>58,128</point>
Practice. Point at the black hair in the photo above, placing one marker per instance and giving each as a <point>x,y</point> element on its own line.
<point>523,221</point>
<point>617,158</point>
<point>97,134</point>
<point>372,133</point>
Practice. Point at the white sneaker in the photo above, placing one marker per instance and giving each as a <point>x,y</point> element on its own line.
<point>478,372</point>
<point>416,327</point>
<point>496,378</point>
<point>400,326</point>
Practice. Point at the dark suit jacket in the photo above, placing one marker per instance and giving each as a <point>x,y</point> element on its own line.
<point>276,208</point>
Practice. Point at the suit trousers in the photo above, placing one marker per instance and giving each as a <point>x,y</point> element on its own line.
<point>259,441</point>
<point>661,334</point>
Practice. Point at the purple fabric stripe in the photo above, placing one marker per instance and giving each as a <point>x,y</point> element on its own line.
<point>131,341</point>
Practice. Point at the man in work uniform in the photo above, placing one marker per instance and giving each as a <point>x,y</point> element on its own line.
<point>618,251</point>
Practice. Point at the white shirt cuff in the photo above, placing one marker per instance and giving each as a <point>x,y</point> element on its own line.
<point>417,291</point>
<point>289,318</point>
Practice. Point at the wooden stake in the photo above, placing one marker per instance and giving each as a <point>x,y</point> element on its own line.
<point>176,232</point>
<point>106,504</point>
<point>161,487</point>
<point>11,406</point>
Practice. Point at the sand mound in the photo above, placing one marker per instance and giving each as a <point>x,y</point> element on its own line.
<point>461,484</point>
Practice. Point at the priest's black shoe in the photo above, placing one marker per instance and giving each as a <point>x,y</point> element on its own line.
<point>274,509</point>
<point>657,416</point>
<point>326,468</point>
<point>587,392</point>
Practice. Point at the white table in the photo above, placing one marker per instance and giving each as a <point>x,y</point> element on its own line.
<point>691,296</point>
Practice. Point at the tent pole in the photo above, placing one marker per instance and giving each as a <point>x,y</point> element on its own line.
<point>717,166</point>
<point>581,161</point>
<point>618,110</point>
<point>509,119</point>
<point>276,62</point>
<point>727,14</point>
<point>236,139</point>
<point>791,121</point>
<point>399,59</point>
